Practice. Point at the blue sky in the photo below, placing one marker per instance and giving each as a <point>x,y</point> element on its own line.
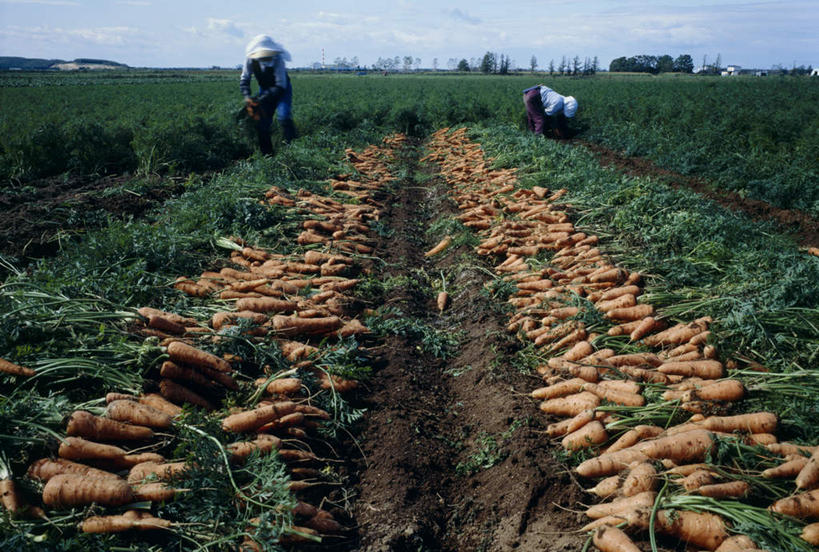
<point>201,33</point>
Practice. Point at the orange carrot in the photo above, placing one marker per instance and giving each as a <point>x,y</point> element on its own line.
<point>589,435</point>
<point>77,448</point>
<point>251,420</point>
<point>45,468</point>
<point>803,505</point>
<point>759,422</point>
<point>612,539</point>
<point>154,492</point>
<point>68,489</point>
<point>123,522</point>
<point>579,350</point>
<point>737,543</point>
<point>15,370</point>
<point>641,477</point>
<point>178,393</point>
<point>561,389</point>
<point>614,395</point>
<point>570,425</point>
<point>644,500</point>
<point>810,533</point>
<point>731,489</point>
<point>442,245</point>
<point>606,487</point>
<point>241,450</point>
<point>610,463</point>
<point>634,314</point>
<point>265,304</point>
<point>154,470</point>
<point>570,405</point>
<point>291,325</point>
<point>183,353</point>
<point>624,301</point>
<point>681,333</point>
<point>136,413</point>
<point>785,449</point>
<point>697,479</point>
<point>706,369</point>
<point>701,530</point>
<point>158,402</point>
<point>646,326</point>
<point>442,300</point>
<point>786,470</point>
<point>633,436</point>
<point>684,447</point>
<point>284,386</point>
<point>808,477</point>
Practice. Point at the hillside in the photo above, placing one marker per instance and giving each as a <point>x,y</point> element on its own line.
<point>39,64</point>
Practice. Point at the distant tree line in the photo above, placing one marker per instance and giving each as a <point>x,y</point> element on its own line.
<point>653,64</point>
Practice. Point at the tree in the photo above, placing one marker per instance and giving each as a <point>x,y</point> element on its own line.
<point>683,64</point>
<point>551,67</point>
<point>533,63</point>
<point>452,64</point>
<point>576,65</point>
<point>563,67</point>
<point>417,63</point>
<point>434,64</point>
<point>718,64</point>
<point>407,63</point>
<point>665,64</point>
<point>503,67</point>
<point>595,65</point>
<point>463,65</point>
<point>488,62</point>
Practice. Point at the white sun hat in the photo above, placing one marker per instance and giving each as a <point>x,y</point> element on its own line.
<point>263,46</point>
<point>569,106</point>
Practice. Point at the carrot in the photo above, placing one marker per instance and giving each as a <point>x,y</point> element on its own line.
<point>9,496</point>
<point>291,325</point>
<point>570,405</point>
<point>77,448</point>
<point>626,327</point>
<point>241,450</point>
<point>803,505</point>
<point>641,477</point>
<point>697,479</point>
<point>561,389</point>
<point>624,301</point>
<point>759,422</point>
<point>579,350</point>
<point>706,369</point>
<point>681,333</point>
<point>785,449</point>
<point>250,420</point>
<point>684,447</point>
<point>731,489</point>
<point>159,402</point>
<point>609,463</point>
<point>626,386</point>
<point>156,470</point>
<point>45,468</point>
<point>614,395</point>
<point>702,530</point>
<point>123,522</point>
<point>265,304</point>
<point>154,492</point>
<point>173,317</point>
<point>136,413</point>
<point>724,390</point>
<point>612,539</point>
<point>15,370</point>
<point>808,477</point>
<point>284,386</point>
<point>128,461</point>
<point>591,434</point>
<point>634,314</point>
<point>786,470</point>
<point>570,425</point>
<point>614,293</point>
<point>178,393</point>
<point>622,505</point>
<point>646,326</point>
<point>185,354</point>
<point>158,322</point>
<point>737,543</point>
<point>810,533</point>
<point>175,371</point>
<point>70,489</point>
<point>85,424</point>
<point>442,245</point>
<point>221,319</point>
<point>633,436</point>
<point>606,487</point>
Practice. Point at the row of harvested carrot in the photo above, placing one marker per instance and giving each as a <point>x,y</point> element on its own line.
<point>516,225</point>
<point>87,464</point>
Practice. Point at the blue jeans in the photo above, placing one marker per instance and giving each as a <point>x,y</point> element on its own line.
<point>284,113</point>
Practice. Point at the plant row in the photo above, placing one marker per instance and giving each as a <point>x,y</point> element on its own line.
<point>623,377</point>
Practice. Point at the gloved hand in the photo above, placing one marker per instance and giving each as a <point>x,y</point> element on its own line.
<point>254,108</point>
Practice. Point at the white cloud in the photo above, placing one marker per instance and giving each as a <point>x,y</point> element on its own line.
<point>459,15</point>
<point>133,3</point>
<point>225,26</point>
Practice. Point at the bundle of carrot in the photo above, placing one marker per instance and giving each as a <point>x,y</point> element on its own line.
<point>564,307</point>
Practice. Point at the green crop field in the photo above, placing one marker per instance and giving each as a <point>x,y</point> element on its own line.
<point>352,384</point>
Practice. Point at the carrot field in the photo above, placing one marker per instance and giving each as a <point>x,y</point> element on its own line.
<point>416,327</point>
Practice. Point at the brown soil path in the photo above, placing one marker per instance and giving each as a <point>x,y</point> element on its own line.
<point>804,227</point>
<point>429,421</point>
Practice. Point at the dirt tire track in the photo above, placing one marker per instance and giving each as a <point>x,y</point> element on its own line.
<point>426,416</point>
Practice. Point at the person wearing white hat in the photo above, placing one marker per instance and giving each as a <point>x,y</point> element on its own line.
<point>265,60</point>
<point>546,110</point>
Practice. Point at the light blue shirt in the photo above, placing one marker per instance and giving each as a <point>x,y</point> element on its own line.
<point>552,101</point>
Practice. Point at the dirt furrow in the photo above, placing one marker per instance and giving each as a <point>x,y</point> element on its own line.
<point>454,459</point>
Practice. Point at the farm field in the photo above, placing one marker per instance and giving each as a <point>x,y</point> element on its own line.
<point>414,328</point>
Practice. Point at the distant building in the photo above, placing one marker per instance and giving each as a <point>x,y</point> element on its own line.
<point>731,71</point>
<point>815,73</point>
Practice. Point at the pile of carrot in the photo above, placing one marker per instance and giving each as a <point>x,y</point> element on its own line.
<point>550,308</point>
<point>301,301</point>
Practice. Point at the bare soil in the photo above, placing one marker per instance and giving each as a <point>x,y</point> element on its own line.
<point>426,417</point>
<point>803,226</point>
<point>34,217</point>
